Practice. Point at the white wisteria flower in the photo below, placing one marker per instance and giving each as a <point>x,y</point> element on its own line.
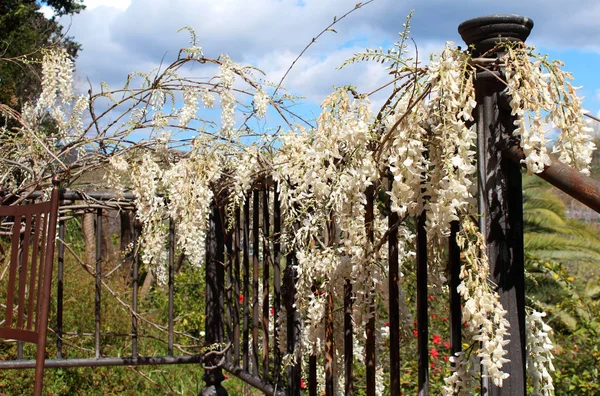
<point>539,354</point>
<point>261,101</point>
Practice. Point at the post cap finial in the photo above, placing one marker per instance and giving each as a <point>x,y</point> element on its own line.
<point>484,32</point>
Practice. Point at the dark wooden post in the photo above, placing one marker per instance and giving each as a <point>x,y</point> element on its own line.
<point>500,190</point>
<point>215,282</point>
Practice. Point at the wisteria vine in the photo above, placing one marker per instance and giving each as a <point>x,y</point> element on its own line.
<point>418,150</point>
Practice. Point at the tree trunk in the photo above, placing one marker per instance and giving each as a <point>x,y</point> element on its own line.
<point>89,238</point>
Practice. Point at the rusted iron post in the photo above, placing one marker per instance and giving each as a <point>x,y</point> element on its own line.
<point>215,282</point>
<point>98,278</point>
<point>500,189</point>
<point>60,283</point>
<point>134,287</point>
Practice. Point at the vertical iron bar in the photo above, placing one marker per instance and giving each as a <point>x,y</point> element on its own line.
<point>370,345</point>
<point>134,288</point>
<point>348,339</point>
<point>276,278</point>
<point>60,289</point>
<point>24,261</point>
<point>394,303</point>
<point>229,287</point>
<point>215,277</point>
<point>255,269</point>
<point>34,271</point>
<point>98,278</point>
<point>293,324</point>
<point>454,274</point>
<point>220,270</point>
<point>171,285</point>
<point>329,347</point>
<point>312,375</point>
<point>422,314</point>
<point>236,292</point>
<point>12,275</point>
<point>246,287</point>
<point>266,263</point>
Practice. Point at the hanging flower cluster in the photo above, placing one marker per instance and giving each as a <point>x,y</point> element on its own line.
<point>322,177</point>
<point>190,106</point>
<point>57,80</point>
<point>146,186</point>
<point>188,186</point>
<point>227,97</point>
<point>483,314</point>
<point>539,354</point>
<point>536,87</point>
<point>452,141</point>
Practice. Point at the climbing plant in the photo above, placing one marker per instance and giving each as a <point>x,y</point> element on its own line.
<point>161,137</point>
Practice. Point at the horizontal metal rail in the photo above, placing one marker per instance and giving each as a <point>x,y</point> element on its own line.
<point>579,186</point>
<point>96,202</point>
<point>72,195</point>
<point>251,380</point>
<point>103,362</point>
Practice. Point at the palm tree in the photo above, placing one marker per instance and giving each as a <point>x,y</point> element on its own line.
<point>551,235</point>
<point>562,256</point>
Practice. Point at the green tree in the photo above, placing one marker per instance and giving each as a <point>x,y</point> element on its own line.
<point>550,234</point>
<point>562,280</point>
<point>24,32</point>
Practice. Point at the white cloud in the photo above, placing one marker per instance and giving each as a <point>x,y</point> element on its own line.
<point>47,11</point>
<point>122,36</point>
<point>119,4</point>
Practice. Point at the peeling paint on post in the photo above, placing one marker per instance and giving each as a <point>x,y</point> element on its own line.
<point>500,190</point>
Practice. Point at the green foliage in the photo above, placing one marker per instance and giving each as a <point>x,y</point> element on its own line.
<point>561,279</point>
<point>393,56</point>
<point>549,234</point>
<point>24,32</point>
<point>116,325</point>
<point>188,301</point>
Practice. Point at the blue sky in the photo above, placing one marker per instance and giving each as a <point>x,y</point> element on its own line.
<point>122,36</point>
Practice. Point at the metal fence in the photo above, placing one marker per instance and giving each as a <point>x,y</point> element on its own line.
<point>74,204</point>
<point>501,223</point>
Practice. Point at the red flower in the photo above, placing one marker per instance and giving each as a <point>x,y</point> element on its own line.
<point>437,339</point>
<point>434,353</point>
<point>432,365</point>
<point>447,344</point>
<point>431,298</point>
<point>241,298</point>
<point>416,332</point>
<point>387,324</point>
<point>302,383</point>
<point>446,358</point>
<point>272,310</point>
